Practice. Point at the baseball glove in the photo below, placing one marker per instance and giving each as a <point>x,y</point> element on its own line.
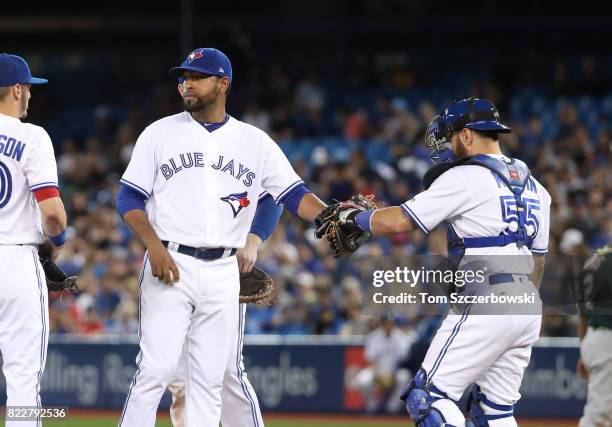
<point>57,279</point>
<point>337,224</point>
<point>256,287</point>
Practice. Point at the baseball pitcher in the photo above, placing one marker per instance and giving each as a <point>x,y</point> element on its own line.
<point>189,193</point>
<point>239,403</point>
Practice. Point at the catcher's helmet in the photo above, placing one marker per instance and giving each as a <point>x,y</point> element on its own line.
<point>473,113</point>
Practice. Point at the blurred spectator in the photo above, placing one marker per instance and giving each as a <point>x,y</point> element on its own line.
<point>257,117</point>
<point>381,381</point>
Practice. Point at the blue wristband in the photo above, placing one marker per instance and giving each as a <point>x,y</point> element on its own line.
<point>363,220</point>
<point>58,240</point>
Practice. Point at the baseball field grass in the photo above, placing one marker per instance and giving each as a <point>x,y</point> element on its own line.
<point>106,420</point>
<point>111,422</point>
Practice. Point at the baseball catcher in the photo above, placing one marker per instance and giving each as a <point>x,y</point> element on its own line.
<point>491,205</point>
<point>337,224</point>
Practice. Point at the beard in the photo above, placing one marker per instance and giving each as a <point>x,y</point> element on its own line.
<point>460,151</point>
<point>201,102</point>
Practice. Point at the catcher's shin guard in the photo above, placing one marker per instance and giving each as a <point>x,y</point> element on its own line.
<point>428,406</point>
<point>481,410</point>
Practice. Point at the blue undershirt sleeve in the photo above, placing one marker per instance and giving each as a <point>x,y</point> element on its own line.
<point>292,199</point>
<point>129,199</point>
<point>266,217</point>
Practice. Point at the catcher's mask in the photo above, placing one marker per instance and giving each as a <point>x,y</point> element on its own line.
<point>437,140</point>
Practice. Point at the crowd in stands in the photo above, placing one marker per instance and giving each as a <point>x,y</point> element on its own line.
<point>361,135</point>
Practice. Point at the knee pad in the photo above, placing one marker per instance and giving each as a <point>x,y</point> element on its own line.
<point>428,406</point>
<point>481,410</point>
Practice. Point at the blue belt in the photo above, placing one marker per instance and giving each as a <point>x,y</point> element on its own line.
<point>491,241</point>
<point>496,279</point>
<point>207,254</point>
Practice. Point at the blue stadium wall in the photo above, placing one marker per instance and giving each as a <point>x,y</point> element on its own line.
<point>291,374</point>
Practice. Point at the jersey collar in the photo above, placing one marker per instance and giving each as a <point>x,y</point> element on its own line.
<point>499,157</point>
<point>4,116</point>
<point>211,127</point>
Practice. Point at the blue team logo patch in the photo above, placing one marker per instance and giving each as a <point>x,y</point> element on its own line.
<point>237,201</point>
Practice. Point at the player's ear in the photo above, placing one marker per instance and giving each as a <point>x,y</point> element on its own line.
<point>225,84</point>
<point>17,91</point>
<point>180,89</point>
<point>467,136</point>
<point>462,136</point>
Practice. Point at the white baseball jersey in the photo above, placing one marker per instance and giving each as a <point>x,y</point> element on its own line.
<point>203,187</point>
<point>27,164</point>
<point>467,348</point>
<point>478,204</point>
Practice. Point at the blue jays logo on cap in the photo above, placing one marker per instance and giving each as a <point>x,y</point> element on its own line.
<point>237,201</point>
<point>197,54</point>
<point>205,60</point>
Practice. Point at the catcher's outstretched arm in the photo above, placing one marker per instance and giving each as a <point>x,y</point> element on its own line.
<point>389,221</point>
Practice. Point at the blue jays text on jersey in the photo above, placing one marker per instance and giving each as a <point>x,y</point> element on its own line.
<point>192,179</point>
<point>188,160</point>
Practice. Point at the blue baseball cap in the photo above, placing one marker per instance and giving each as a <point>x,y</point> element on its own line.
<point>14,70</point>
<point>205,60</point>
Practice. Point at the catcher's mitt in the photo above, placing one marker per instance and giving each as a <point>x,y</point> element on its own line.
<point>57,279</point>
<point>337,224</point>
<point>256,286</point>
